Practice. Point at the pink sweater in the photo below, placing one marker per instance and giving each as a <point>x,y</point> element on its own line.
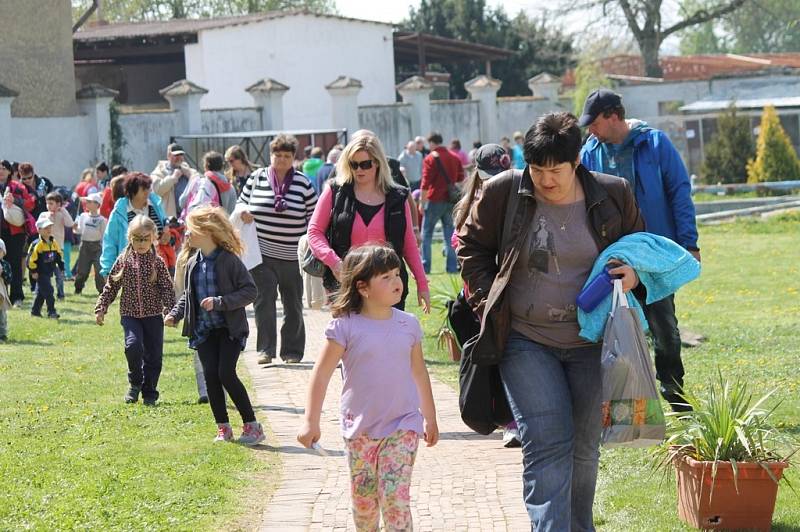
<point>362,234</point>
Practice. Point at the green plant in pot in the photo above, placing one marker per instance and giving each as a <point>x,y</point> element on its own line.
<point>727,458</point>
<point>442,292</point>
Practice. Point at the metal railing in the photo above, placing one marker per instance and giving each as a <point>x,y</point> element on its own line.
<point>255,143</point>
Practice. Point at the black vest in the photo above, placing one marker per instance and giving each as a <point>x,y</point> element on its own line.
<point>343,215</point>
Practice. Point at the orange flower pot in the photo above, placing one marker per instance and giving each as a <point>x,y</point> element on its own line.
<point>750,508</point>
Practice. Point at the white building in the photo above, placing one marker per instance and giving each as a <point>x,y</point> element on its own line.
<point>302,50</point>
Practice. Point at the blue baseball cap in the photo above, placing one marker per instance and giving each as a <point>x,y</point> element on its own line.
<point>597,102</point>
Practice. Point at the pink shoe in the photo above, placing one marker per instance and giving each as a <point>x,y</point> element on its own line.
<point>252,433</point>
<point>224,432</point>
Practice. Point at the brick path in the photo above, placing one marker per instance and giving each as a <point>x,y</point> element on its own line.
<point>466,482</point>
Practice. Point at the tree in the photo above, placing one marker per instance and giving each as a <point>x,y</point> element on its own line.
<point>775,159</point>
<point>759,26</point>
<point>140,10</point>
<point>646,21</point>
<point>588,77</point>
<point>538,44</point>
<point>727,154</point>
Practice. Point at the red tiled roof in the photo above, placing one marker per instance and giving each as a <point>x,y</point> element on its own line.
<point>693,67</point>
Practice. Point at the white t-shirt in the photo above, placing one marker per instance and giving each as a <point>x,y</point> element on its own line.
<point>91,227</point>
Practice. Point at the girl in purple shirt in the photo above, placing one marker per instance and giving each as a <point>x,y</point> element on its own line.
<point>386,403</point>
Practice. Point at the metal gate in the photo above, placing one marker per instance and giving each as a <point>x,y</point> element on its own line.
<point>255,143</point>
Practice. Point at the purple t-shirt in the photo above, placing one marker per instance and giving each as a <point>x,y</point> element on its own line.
<point>379,395</point>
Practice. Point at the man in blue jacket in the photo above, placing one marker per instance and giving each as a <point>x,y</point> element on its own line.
<point>647,159</point>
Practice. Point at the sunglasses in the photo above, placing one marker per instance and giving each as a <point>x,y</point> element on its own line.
<point>364,165</point>
<point>141,239</point>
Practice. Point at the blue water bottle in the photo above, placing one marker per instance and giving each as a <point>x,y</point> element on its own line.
<point>596,291</point>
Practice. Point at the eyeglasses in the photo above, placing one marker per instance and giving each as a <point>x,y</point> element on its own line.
<point>141,239</point>
<point>364,165</point>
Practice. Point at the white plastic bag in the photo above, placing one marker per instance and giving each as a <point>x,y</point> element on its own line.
<point>251,257</point>
<point>632,414</point>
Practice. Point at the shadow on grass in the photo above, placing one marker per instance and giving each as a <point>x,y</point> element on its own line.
<point>12,341</point>
<point>782,527</point>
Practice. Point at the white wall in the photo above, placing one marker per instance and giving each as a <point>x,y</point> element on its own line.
<point>392,124</point>
<point>231,120</point>
<point>520,112</point>
<point>305,52</point>
<point>146,136</point>
<point>642,100</point>
<point>455,119</point>
<point>58,147</point>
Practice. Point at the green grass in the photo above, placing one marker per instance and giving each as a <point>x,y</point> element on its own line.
<point>747,303</point>
<point>74,456</point>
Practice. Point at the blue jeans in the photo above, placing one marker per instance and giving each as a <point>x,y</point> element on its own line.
<point>555,397</point>
<point>435,211</point>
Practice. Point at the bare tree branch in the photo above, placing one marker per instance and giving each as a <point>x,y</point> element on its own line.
<point>704,15</point>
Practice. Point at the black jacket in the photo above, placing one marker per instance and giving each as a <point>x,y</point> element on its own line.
<point>235,284</point>
<point>343,215</point>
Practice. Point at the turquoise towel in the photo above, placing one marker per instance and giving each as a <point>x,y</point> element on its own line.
<point>662,266</point>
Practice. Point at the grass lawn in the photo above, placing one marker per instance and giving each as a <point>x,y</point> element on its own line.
<point>747,302</point>
<point>74,456</point>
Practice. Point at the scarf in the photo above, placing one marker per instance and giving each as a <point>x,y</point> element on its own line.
<point>282,190</point>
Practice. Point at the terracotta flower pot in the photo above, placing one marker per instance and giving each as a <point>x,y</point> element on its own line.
<point>750,508</point>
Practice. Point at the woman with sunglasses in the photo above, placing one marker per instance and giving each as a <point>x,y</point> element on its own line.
<point>280,201</point>
<point>364,205</point>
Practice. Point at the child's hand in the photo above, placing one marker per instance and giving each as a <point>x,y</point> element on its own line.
<point>34,275</point>
<point>169,321</point>
<point>207,304</point>
<point>308,434</point>
<point>98,318</point>
<point>431,430</point>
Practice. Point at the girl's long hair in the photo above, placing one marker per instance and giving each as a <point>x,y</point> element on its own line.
<point>236,152</point>
<point>214,223</point>
<point>461,209</point>
<point>139,224</point>
<point>360,265</point>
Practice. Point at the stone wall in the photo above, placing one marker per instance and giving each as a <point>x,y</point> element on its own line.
<point>36,56</point>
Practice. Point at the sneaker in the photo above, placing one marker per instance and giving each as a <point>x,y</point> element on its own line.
<point>17,303</point>
<point>133,394</point>
<point>149,401</point>
<point>3,339</point>
<point>252,433</point>
<point>36,314</point>
<point>292,359</point>
<point>224,432</point>
<point>265,358</point>
<point>511,438</point>
<point>203,399</point>
<point>53,315</point>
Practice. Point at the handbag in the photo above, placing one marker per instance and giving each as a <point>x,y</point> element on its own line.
<point>632,414</point>
<point>481,398</point>
<point>453,192</point>
<point>309,263</point>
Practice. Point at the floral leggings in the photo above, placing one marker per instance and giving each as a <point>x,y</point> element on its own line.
<point>380,479</point>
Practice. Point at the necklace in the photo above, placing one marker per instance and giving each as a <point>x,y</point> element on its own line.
<point>563,223</point>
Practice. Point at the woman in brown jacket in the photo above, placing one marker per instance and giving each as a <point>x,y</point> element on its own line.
<point>526,250</point>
